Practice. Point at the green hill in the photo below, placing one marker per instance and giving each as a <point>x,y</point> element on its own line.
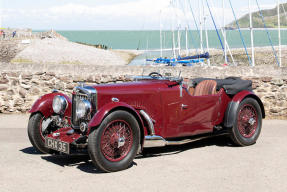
<point>270,17</point>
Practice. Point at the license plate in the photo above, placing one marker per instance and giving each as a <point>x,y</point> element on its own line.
<point>57,145</point>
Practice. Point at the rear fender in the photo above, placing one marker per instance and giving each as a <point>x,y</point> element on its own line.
<point>110,107</point>
<point>44,105</point>
<point>230,113</point>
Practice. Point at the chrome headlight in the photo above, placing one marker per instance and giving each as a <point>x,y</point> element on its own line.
<point>83,108</point>
<point>60,104</point>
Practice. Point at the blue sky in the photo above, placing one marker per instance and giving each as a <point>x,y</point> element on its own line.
<point>113,14</point>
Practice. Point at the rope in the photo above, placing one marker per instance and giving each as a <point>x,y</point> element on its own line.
<point>189,31</point>
<point>197,29</point>
<point>241,36</point>
<point>215,26</point>
<point>222,33</point>
<point>192,39</point>
<point>268,34</point>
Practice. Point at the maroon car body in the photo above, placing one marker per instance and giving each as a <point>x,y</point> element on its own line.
<point>166,111</point>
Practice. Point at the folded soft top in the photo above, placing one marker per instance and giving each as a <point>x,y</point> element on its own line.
<point>231,85</point>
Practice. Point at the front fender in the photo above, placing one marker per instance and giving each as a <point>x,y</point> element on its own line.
<point>230,113</point>
<point>44,104</point>
<point>108,108</point>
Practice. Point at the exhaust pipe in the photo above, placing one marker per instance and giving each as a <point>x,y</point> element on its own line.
<point>154,141</point>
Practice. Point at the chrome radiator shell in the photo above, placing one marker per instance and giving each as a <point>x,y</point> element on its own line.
<point>79,93</point>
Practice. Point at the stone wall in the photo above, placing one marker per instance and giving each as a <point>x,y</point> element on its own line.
<point>21,85</point>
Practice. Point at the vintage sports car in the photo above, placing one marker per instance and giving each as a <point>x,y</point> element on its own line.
<point>115,122</point>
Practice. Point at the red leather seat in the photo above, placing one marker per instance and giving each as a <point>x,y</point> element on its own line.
<point>206,87</point>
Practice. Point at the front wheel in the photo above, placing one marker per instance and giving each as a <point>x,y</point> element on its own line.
<point>248,123</point>
<point>114,144</point>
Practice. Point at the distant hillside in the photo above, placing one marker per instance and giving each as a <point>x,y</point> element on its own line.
<point>270,17</point>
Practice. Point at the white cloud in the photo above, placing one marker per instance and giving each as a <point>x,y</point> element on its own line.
<point>133,8</point>
<point>132,12</point>
<point>125,15</point>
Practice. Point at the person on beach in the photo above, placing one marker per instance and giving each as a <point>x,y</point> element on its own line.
<point>14,34</point>
<point>3,34</point>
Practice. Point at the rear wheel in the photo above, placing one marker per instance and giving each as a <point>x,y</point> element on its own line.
<point>114,144</point>
<point>248,123</point>
<point>36,134</point>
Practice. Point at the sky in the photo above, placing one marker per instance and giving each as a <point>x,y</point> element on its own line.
<point>117,14</point>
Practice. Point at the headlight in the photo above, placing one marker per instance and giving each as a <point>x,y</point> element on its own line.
<point>83,109</point>
<point>60,104</point>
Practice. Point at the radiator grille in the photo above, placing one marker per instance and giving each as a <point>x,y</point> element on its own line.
<point>75,99</point>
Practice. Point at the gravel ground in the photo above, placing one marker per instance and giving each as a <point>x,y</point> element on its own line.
<point>51,50</point>
<point>262,56</point>
<point>206,165</point>
<point>9,49</point>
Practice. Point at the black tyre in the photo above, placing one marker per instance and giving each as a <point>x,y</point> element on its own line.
<point>248,123</point>
<point>114,144</point>
<point>35,134</point>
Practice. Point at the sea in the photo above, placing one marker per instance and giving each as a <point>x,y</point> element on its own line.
<point>150,40</point>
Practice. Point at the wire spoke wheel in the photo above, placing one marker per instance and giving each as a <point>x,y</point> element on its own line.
<point>248,123</point>
<point>247,120</point>
<point>116,141</point>
<point>114,144</point>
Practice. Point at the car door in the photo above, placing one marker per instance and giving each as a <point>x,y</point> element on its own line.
<point>197,113</point>
<point>171,107</point>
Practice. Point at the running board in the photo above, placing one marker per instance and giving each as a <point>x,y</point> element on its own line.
<point>158,141</point>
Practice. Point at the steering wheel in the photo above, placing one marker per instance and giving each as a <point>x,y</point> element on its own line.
<point>155,74</point>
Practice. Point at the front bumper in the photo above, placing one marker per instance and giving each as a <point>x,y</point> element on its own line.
<point>76,141</point>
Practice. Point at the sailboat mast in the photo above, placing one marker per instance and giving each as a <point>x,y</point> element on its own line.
<point>279,33</point>
<point>173,43</point>
<point>200,23</point>
<point>186,42</point>
<point>186,30</point>
<point>224,32</point>
<point>178,29</point>
<point>0,13</point>
<point>251,35</point>
<point>206,33</point>
<point>173,38</point>
<point>160,34</point>
<point>178,40</point>
<point>146,51</point>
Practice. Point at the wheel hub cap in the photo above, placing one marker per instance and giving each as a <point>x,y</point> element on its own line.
<point>252,121</point>
<point>116,140</point>
<point>247,120</point>
<point>121,142</point>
